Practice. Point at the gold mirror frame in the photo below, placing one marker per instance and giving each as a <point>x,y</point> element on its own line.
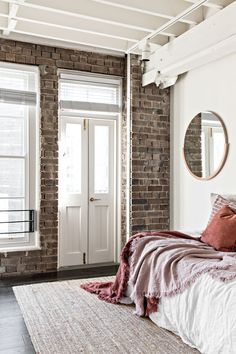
<point>226,151</point>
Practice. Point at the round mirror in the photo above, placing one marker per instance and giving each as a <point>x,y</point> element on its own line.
<point>205,145</point>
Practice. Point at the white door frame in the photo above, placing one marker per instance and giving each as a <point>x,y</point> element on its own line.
<point>118,191</point>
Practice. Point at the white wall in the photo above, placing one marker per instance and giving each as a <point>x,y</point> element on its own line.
<point>211,87</point>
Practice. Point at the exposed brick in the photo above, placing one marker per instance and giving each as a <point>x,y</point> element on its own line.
<point>21,59</point>
<point>64,64</point>
<point>10,57</point>
<point>30,60</point>
<point>193,146</point>
<point>150,154</point>
<point>2,55</point>
<point>26,51</point>
<point>44,61</point>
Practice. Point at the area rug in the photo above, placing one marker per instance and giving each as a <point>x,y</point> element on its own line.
<point>64,319</point>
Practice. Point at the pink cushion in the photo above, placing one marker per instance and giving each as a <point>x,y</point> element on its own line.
<point>218,204</point>
<point>221,232</point>
<point>229,197</point>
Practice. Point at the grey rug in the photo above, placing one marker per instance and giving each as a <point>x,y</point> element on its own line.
<point>62,318</point>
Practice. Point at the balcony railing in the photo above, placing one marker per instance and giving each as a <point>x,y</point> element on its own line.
<point>29,222</point>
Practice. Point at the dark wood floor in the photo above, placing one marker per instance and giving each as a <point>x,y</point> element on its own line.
<point>14,336</point>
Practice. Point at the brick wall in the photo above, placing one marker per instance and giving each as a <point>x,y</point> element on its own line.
<point>193,146</point>
<point>150,154</point>
<point>150,148</point>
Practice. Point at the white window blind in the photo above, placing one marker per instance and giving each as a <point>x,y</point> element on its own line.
<point>18,154</point>
<point>17,86</point>
<point>85,92</point>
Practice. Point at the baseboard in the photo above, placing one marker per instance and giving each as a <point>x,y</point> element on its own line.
<point>87,271</point>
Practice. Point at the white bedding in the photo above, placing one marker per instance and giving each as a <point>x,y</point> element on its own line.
<point>204,315</point>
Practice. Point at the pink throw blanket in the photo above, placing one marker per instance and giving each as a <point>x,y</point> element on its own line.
<point>162,264</point>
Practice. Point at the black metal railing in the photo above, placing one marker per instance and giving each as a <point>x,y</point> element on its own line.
<point>30,221</point>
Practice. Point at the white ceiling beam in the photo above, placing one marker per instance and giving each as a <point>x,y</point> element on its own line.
<point>81,25</point>
<point>208,4</point>
<point>169,24</point>
<point>217,4</point>
<point>13,9</point>
<point>61,34</point>
<point>76,29</point>
<point>158,8</point>
<point>194,48</point>
<point>122,18</point>
<point>63,44</point>
<point>53,25</point>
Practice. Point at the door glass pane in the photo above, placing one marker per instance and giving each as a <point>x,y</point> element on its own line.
<point>12,136</point>
<point>12,177</point>
<point>12,204</point>
<point>73,158</point>
<point>101,159</point>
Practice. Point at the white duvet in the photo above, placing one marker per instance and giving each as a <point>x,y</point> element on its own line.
<point>204,315</point>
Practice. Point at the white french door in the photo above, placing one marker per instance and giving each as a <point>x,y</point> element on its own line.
<point>86,191</point>
<point>101,191</point>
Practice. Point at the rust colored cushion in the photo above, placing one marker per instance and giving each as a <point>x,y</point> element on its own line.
<point>221,231</point>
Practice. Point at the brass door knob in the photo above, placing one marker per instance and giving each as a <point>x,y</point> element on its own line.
<point>92,199</point>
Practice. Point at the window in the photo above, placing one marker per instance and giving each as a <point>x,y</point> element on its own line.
<point>89,93</point>
<point>18,157</point>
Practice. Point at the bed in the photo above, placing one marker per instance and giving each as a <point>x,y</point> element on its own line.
<point>182,283</point>
<point>203,316</point>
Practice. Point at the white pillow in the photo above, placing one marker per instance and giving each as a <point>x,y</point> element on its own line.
<point>229,197</point>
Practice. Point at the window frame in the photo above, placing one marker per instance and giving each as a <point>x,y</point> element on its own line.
<point>28,241</point>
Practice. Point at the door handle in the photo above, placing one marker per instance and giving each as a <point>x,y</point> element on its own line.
<point>94,199</point>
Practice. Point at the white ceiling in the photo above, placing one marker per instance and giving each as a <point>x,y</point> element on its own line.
<point>103,25</point>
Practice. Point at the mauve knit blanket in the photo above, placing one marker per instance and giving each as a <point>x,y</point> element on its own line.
<point>161,264</point>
